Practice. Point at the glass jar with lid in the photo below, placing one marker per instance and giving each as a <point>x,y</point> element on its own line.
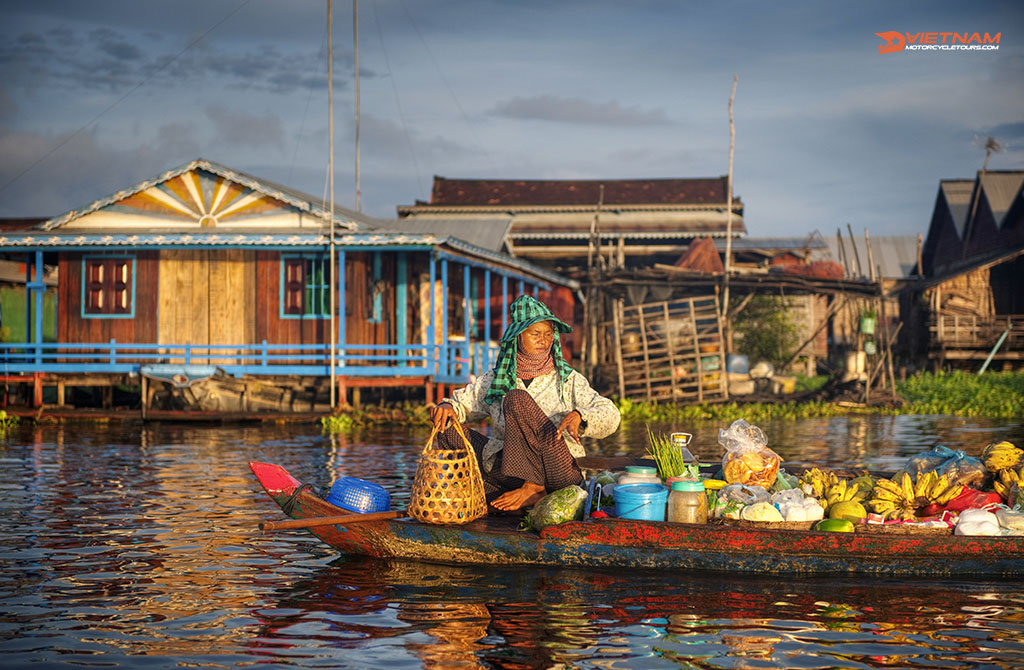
<point>687,502</point>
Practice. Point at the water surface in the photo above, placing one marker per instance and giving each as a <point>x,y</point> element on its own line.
<point>130,546</point>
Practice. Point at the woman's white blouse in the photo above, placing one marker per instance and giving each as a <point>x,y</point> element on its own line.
<point>600,415</point>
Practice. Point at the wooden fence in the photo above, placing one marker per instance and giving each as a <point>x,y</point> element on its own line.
<point>671,351</point>
<point>968,336</point>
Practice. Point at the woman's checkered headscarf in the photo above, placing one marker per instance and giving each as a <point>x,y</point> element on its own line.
<point>525,311</point>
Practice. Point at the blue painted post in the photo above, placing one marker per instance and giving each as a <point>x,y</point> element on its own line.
<point>40,289</point>
<point>402,307</point>
<point>522,288</point>
<point>504,303</point>
<point>188,354</point>
<point>341,308</point>
<point>536,290</point>
<point>487,318</point>
<point>447,368</point>
<point>113,351</point>
<point>432,328</point>
<point>264,356</point>
<point>468,305</point>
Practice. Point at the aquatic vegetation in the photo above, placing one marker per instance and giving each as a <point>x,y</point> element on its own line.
<point>336,423</point>
<point>7,422</point>
<point>995,394</point>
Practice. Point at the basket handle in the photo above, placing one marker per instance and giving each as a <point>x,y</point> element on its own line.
<point>458,429</point>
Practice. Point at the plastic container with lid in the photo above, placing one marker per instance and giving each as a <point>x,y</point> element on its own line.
<point>645,501</point>
<point>639,474</point>
<point>687,502</point>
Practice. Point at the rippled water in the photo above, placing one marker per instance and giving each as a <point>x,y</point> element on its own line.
<point>131,547</point>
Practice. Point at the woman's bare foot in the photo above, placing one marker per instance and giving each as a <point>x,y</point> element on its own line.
<point>524,496</point>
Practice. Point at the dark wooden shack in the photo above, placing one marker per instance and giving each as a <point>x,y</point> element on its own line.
<point>970,299</point>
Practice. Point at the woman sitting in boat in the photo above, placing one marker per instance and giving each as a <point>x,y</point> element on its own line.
<point>539,408</point>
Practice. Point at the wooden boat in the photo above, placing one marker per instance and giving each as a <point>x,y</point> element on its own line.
<point>624,543</point>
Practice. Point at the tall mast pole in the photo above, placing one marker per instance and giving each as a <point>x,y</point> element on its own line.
<point>355,40</point>
<point>330,177</point>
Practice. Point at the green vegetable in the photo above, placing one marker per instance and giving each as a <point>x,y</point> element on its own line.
<point>835,525</point>
<point>669,457</point>
<point>563,505</point>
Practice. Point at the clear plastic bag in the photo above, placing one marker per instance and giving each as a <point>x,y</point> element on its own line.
<point>747,459</point>
<point>565,504</point>
<point>928,460</point>
<point>743,494</point>
<point>963,469</point>
<point>956,465</point>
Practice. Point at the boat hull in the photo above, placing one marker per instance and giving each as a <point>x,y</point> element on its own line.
<point>620,543</point>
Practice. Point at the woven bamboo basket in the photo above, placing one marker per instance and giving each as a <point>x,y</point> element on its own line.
<point>448,487</point>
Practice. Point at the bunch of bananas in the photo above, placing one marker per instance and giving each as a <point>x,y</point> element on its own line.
<point>1002,455</point>
<point>830,489</point>
<point>901,497</point>
<point>1006,479</point>
<point>816,483</point>
<point>841,491</point>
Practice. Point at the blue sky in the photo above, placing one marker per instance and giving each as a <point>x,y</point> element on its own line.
<point>97,96</point>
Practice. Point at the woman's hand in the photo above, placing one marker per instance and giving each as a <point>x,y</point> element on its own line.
<point>442,415</point>
<point>571,422</point>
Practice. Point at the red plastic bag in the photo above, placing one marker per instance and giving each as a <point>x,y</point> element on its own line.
<point>973,499</point>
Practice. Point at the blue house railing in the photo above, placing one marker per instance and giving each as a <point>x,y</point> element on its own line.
<point>451,362</point>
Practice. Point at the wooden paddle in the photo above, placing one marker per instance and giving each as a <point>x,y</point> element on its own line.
<point>329,520</point>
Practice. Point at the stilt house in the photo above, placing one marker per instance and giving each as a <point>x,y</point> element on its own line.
<point>211,289</point>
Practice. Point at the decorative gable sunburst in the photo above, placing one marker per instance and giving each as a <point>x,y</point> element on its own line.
<point>208,195</point>
<point>199,196</point>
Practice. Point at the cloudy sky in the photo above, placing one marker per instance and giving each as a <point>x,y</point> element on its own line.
<point>98,95</point>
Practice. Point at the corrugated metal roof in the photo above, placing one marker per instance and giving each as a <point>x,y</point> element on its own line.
<point>773,243</point>
<point>1000,190</point>
<point>485,233</point>
<point>957,193</point>
<point>523,192</point>
<point>896,255</point>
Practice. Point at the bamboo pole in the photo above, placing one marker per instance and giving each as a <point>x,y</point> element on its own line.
<point>671,351</point>
<point>856,254</point>
<point>643,340</point>
<point>617,319</point>
<point>871,258</point>
<point>728,221</point>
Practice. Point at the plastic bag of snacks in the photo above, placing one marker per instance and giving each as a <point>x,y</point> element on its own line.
<point>747,459</point>
<point>963,469</point>
<point>565,504</point>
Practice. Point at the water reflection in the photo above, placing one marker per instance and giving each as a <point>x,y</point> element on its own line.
<point>447,616</point>
<point>125,542</point>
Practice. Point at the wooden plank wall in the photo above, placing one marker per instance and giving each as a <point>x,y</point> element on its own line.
<point>205,296</point>
<point>71,327</point>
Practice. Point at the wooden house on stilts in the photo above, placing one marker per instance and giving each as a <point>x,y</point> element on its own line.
<point>209,289</point>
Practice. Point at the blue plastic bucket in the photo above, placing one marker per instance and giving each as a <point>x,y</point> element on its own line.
<point>359,496</point>
<point>640,501</point>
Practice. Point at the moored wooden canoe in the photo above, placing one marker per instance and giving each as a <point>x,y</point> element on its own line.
<point>622,543</point>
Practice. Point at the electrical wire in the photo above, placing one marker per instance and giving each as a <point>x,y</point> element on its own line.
<point>117,102</point>
<point>398,102</point>
<point>451,92</point>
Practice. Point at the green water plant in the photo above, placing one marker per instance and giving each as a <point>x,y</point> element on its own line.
<point>7,422</point>
<point>336,423</point>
